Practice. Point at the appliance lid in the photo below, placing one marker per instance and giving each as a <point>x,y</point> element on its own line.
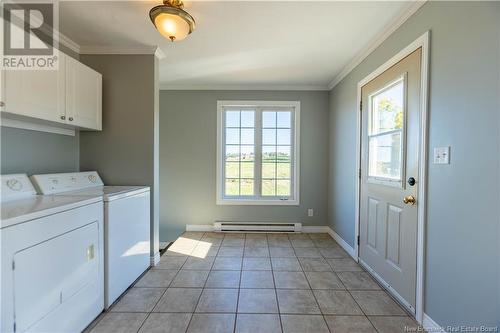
<point>38,206</point>
<point>64,182</point>
<point>109,192</point>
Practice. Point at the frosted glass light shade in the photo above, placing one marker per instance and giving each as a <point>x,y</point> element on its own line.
<point>172,26</point>
<point>172,22</point>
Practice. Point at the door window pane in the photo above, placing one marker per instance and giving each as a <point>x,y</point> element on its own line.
<point>387,109</point>
<point>385,156</point>
<point>386,131</point>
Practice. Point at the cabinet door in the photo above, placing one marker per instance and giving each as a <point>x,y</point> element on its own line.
<point>83,95</point>
<point>35,93</point>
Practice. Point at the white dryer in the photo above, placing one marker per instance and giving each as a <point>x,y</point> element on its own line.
<point>51,259</point>
<point>126,224</point>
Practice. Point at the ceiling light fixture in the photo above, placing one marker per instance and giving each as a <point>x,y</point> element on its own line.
<point>171,20</point>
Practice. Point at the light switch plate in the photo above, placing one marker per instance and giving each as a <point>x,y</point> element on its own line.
<point>442,155</point>
<point>310,212</point>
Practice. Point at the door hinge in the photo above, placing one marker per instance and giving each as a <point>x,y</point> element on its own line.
<point>360,105</point>
<point>14,326</point>
<point>358,240</point>
<point>13,265</point>
<point>359,173</point>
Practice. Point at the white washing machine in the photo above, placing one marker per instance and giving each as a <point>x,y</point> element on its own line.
<point>126,224</point>
<point>52,259</point>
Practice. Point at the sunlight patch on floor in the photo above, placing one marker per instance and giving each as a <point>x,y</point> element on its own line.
<point>190,247</point>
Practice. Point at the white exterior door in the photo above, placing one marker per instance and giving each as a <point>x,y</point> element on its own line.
<point>389,172</point>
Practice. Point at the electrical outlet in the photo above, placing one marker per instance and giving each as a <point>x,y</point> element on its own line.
<point>442,155</point>
<point>310,212</point>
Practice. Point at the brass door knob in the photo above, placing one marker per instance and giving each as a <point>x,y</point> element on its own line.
<point>410,200</point>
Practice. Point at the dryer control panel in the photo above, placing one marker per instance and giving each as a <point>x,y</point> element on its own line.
<point>64,182</point>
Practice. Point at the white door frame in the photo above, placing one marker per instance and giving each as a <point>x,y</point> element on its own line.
<point>421,42</point>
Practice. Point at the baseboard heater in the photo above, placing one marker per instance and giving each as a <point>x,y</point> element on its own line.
<point>228,226</point>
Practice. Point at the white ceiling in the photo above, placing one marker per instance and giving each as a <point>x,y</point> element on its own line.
<point>256,45</point>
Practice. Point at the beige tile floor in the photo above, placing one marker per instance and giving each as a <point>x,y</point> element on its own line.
<point>215,282</point>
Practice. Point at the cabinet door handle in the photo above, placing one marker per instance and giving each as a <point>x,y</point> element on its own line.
<point>63,117</point>
<point>70,118</point>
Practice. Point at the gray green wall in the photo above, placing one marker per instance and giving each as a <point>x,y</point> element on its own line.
<point>462,239</point>
<point>124,151</point>
<point>188,131</point>
<point>32,152</point>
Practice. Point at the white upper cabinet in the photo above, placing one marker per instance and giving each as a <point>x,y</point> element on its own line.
<point>83,95</point>
<point>71,95</point>
<point>35,93</point>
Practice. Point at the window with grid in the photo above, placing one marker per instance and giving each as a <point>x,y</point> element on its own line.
<point>258,153</point>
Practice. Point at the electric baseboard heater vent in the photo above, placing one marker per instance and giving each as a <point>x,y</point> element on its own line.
<point>226,226</point>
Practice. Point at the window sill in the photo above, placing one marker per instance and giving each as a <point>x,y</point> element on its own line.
<point>243,202</point>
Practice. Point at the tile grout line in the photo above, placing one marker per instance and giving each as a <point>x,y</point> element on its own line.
<point>272,270</point>
<point>316,300</point>
<point>159,298</point>
<point>239,288</point>
<point>276,291</point>
<point>192,314</point>
<point>201,293</point>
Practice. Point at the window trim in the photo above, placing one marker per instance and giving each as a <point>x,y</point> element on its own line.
<point>221,200</point>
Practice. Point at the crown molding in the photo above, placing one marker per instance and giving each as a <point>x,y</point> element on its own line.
<point>265,87</point>
<point>159,53</point>
<point>68,42</point>
<point>377,41</point>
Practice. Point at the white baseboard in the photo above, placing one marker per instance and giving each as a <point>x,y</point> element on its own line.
<point>309,229</point>
<point>315,229</point>
<point>208,228</point>
<point>348,248</point>
<point>154,260</point>
<point>430,325</point>
<point>164,244</point>
<point>199,227</point>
